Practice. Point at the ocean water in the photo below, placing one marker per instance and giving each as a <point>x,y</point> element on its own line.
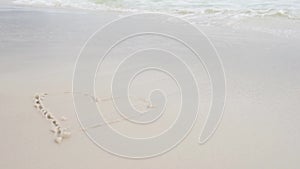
<point>214,8</point>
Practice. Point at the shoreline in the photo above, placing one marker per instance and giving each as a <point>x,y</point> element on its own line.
<point>38,51</point>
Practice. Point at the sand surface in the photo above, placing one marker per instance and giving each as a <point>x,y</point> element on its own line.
<point>260,127</point>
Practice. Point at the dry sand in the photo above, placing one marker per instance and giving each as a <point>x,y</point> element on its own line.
<point>260,127</point>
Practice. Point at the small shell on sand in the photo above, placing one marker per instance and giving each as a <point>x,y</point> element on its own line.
<point>150,106</point>
<point>45,112</point>
<point>63,118</point>
<point>54,130</point>
<point>58,140</point>
<point>49,116</point>
<point>55,123</point>
<point>66,134</point>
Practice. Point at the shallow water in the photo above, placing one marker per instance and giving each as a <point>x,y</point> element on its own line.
<point>218,8</point>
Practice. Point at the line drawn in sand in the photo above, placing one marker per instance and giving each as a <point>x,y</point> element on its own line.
<point>61,132</point>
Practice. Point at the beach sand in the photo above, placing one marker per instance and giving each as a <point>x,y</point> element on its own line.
<point>259,129</point>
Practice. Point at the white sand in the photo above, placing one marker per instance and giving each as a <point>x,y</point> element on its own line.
<point>260,127</point>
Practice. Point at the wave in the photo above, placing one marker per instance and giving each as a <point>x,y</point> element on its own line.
<point>191,8</point>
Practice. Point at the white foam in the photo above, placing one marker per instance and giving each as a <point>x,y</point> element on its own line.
<point>60,3</point>
<point>214,9</point>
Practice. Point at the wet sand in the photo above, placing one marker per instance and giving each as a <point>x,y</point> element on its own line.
<point>38,50</point>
